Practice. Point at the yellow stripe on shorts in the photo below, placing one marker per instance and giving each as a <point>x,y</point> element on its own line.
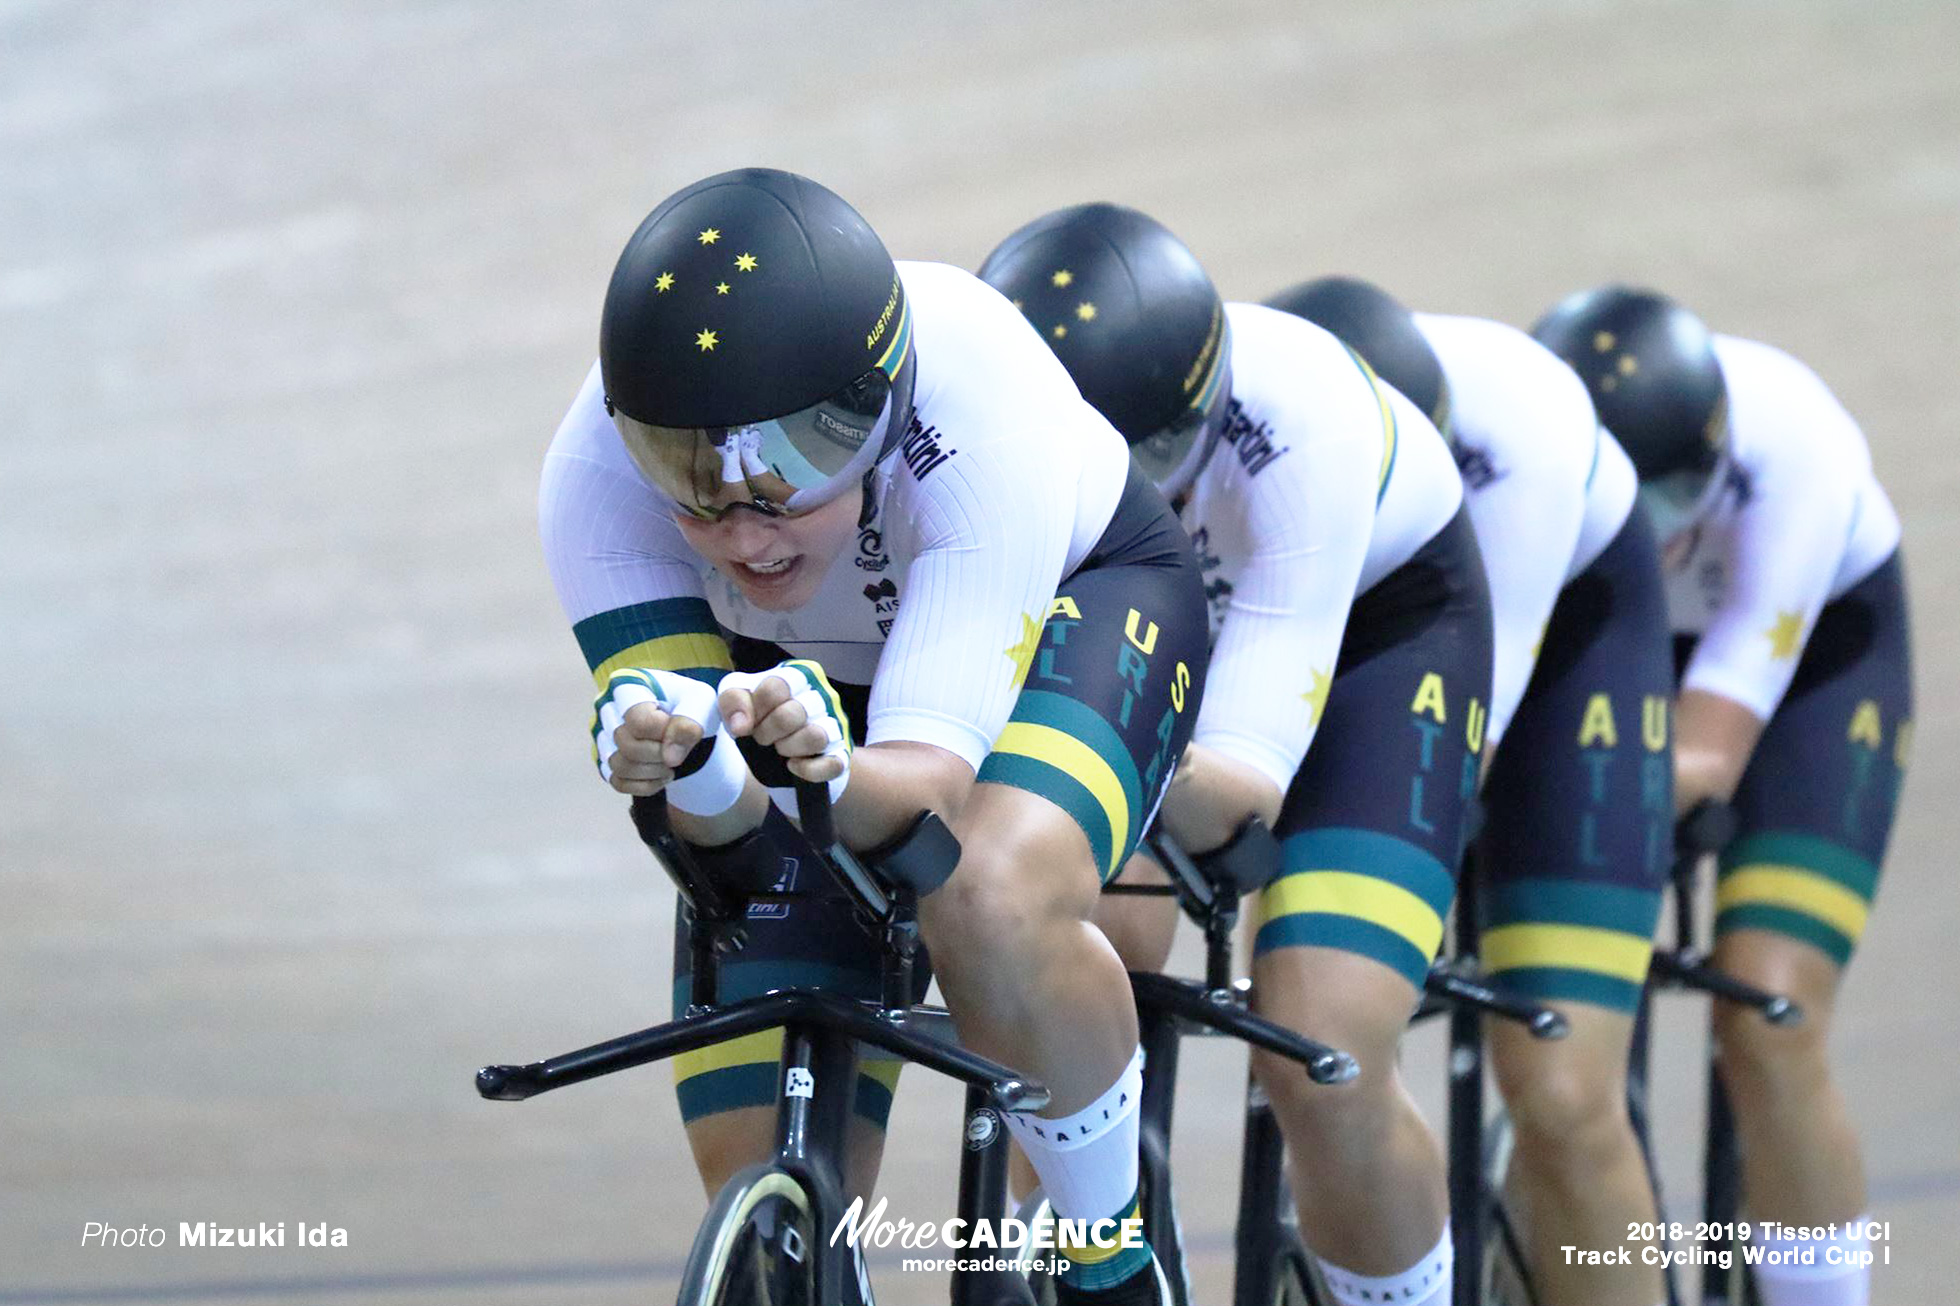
<point>1346,893</point>
<point>765,1045</point>
<point>1567,947</point>
<point>1084,764</point>
<point>1797,889</point>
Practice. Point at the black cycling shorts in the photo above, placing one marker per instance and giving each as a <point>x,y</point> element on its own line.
<point>1816,804</point>
<point>1372,827</point>
<point>1579,801</point>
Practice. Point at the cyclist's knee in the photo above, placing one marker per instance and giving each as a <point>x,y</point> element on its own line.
<point>1349,1002</point>
<point>1013,885</point>
<point>1758,1057</point>
<point>1569,1102</point>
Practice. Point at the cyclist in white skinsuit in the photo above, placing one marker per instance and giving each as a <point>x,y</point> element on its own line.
<point>1788,599</point>
<point>1574,848</point>
<point>855,510</point>
<point>1349,689</point>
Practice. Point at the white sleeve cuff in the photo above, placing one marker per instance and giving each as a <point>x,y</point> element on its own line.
<point>916,726</point>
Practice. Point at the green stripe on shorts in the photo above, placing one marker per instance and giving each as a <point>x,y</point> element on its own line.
<point>1058,787</point>
<point>1831,860</point>
<point>1544,900</point>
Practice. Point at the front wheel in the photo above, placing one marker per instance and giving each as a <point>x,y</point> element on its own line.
<point>757,1246</point>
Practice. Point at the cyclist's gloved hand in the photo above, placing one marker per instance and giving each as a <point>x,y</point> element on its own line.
<point>792,709</point>
<point>655,730</point>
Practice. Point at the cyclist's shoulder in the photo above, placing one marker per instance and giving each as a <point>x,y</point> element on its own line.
<point>1786,425</point>
<point>1512,397</point>
<point>586,456</point>
<point>1296,381</point>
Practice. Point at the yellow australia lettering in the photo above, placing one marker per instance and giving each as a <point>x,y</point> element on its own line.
<point>1597,726</point>
<point>1149,640</point>
<point>1179,683</point>
<point>1064,607</point>
<point>1866,728</point>
<point>1653,722</point>
<point>1473,727</point>
<point>1429,698</point>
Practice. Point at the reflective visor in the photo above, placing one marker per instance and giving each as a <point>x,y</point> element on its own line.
<point>785,465</point>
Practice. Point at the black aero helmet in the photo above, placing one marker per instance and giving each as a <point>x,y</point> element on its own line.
<point>756,345</point>
<point>1136,322</point>
<point>1651,369</point>
<point>1375,325</point>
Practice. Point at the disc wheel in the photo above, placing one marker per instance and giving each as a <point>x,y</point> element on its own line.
<point>757,1246</point>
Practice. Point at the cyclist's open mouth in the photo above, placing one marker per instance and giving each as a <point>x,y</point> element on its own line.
<point>767,577</point>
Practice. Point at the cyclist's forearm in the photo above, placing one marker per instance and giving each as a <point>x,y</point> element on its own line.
<point>1713,739</point>
<point>728,826</point>
<point>891,783</point>
<point>1213,795</point>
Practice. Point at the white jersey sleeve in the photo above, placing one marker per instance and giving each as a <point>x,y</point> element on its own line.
<point>1022,478</point>
<point>1525,439</point>
<point>613,551</point>
<point>1801,521</point>
<point>1286,512</point>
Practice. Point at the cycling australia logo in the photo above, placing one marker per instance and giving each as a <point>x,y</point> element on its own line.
<point>882,594</point>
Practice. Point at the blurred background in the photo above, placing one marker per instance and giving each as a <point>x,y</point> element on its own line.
<point>297,823</point>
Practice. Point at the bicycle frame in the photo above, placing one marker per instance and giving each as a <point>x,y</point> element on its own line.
<point>1706,829</point>
<point>821,1031</point>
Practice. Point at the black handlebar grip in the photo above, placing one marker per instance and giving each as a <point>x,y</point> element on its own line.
<point>769,767</point>
<point>1707,827</point>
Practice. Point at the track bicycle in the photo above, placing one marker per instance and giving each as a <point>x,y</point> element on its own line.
<point>1272,1266</point>
<point>766,1238</point>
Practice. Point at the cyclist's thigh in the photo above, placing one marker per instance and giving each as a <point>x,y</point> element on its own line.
<point>1372,826</point>
<point>1579,802</point>
<point>1110,683</point>
<point>1816,804</point>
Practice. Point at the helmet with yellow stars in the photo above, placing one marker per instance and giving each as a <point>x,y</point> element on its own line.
<point>756,346</point>
<point>1137,323</point>
<point>1375,325</point>
<point>1651,368</point>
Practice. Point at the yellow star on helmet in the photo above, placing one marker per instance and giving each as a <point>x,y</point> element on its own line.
<point>721,287</point>
<point>1062,277</point>
<point>710,236</point>
<point>1316,698</point>
<point>1061,330</point>
<point>1628,365</point>
<point>663,283</point>
<point>1021,653</point>
<point>707,340</point>
<point>1785,635</point>
<point>1086,311</point>
<point>1603,341</point>
<point>745,263</point>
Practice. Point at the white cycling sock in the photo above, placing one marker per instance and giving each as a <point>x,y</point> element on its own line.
<point>1087,1161</point>
<point>1814,1271</point>
<point>1426,1283</point>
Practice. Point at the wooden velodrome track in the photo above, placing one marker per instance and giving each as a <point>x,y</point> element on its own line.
<point>296,824</point>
